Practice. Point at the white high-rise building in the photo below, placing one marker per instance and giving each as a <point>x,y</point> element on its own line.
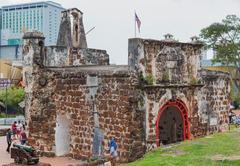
<point>42,16</point>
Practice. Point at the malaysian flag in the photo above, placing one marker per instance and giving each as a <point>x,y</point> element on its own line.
<point>137,20</point>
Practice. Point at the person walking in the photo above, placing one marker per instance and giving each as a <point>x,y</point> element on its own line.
<point>24,125</point>
<point>9,139</point>
<point>113,150</point>
<point>231,114</point>
<point>19,128</point>
<point>23,137</point>
<point>14,128</point>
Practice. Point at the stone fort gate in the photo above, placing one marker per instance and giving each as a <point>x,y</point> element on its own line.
<point>76,101</point>
<point>172,123</point>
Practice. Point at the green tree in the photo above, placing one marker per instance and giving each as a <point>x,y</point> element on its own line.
<point>14,96</point>
<point>224,39</point>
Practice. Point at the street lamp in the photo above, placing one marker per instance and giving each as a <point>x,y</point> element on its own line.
<point>5,83</point>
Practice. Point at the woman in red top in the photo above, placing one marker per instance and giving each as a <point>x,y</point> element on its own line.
<point>23,137</point>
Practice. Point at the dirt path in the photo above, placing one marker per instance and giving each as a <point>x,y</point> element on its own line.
<point>56,161</point>
<point>221,157</point>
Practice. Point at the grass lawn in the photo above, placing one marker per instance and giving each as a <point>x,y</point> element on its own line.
<point>220,149</point>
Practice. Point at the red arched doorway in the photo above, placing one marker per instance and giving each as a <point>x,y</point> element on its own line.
<point>172,123</point>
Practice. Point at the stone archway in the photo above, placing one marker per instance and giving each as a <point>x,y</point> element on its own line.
<point>172,123</point>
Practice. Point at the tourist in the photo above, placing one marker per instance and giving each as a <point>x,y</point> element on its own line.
<point>231,114</point>
<point>113,150</point>
<point>23,137</point>
<point>24,125</point>
<point>19,128</point>
<point>221,128</point>
<point>9,139</point>
<point>14,128</point>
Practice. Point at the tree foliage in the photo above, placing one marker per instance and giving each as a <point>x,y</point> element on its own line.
<point>224,39</point>
<point>14,96</point>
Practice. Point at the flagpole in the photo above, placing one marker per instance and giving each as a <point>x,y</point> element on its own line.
<point>135,24</point>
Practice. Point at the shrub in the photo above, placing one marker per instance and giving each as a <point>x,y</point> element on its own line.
<point>150,79</point>
<point>14,96</point>
<point>165,77</point>
<point>193,81</point>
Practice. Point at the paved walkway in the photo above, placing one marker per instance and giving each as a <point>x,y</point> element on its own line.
<point>56,161</point>
<point>4,157</point>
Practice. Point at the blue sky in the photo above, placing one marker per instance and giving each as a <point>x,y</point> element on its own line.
<point>114,20</point>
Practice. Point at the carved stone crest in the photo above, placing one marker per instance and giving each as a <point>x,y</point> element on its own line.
<point>43,81</point>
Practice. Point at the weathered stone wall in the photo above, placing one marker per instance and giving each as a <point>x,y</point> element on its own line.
<point>70,91</point>
<point>167,61</point>
<point>71,49</point>
<point>67,92</point>
<point>60,56</point>
<point>173,71</point>
<point>42,112</point>
<point>216,93</point>
<point>71,31</point>
<point>56,56</point>
<point>207,105</point>
<point>156,97</point>
<point>88,57</point>
<point>103,101</point>
<point>33,47</point>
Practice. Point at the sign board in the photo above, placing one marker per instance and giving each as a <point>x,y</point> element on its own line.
<point>5,82</point>
<point>97,142</point>
<point>213,121</point>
